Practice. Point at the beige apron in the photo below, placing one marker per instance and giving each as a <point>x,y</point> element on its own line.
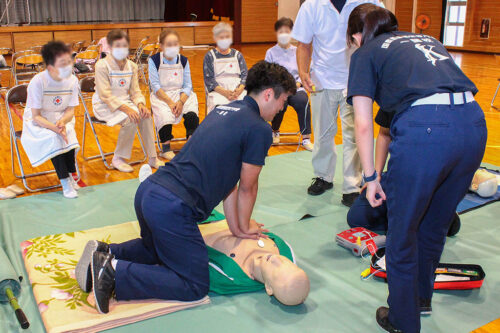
<point>227,74</point>
<point>120,85</point>
<point>40,143</point>
<point>171,81</point>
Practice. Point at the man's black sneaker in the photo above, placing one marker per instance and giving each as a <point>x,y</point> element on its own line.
<point>103,280</point>
<point>82,270</point>
<point>425,307</point>
<point>319,186</point>
<point>455,226</point>
<point>348,199</point>
<point>383,320</point>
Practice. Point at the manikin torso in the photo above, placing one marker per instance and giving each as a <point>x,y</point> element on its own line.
<point>242,251</point>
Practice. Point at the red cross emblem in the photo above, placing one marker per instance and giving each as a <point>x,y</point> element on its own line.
<point>57,100</point>
<point>175,73</point>
<point>122,82</point>
<point>231,65</point>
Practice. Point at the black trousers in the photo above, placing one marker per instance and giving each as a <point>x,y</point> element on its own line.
<point>298,102</point>
<point>64,164</point>
<point>191,122</point>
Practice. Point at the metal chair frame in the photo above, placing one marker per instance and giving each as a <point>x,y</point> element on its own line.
<point>19,75</point>
<point>14,137</point>
<point>495,96</point>
<point>91,120</point>
<point>5,51</point>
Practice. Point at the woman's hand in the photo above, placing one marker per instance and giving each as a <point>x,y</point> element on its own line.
<point>177,110</point>
<point>144,111</point>
<point>237,92</point>
<point>372,189</point>
<point>133,115</point>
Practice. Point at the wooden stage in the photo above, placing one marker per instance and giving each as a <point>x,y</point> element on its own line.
<point>21,38</point>
<point>483,69</point>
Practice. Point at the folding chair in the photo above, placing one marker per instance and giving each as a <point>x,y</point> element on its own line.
<point>143,57</point>
<point>89,58</point>
<point>495,96</point>
<point>18,95</point>
<point>78,46</point>
<point>87,88</point>
<point>25,65</point>
<point>5,51</point>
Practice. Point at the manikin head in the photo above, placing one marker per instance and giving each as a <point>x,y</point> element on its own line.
<point>485,184</point>
<point>283,28</point>
<point>223,35</point>
<point>169,40</point>
<point>118,41</point>
<point>270,85</point>
<point>57,58</point>
<point>282,278</point>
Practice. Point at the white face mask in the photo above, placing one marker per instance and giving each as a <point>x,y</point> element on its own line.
<point>171,51</point>
<point>65,72</point>
<point>225,43</point>
<point>284,39</point>
<point>119,53</point>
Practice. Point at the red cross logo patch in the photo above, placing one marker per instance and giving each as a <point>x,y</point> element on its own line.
<point>57,100</point>
<point>175,73</point>
<point>122,82</point>
<point>231,65</point>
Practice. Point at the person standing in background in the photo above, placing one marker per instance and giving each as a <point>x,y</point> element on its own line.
<point>320,29</point>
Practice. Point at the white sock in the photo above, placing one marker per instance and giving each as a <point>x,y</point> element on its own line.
<point>113,263</point>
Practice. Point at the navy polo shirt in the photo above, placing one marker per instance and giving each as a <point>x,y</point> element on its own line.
<point>395,69</point>
<point>209,165</point>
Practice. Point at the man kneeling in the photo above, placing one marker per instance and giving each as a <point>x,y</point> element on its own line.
<point>170,260</point>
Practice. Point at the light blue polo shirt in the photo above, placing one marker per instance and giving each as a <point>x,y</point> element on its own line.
<point>319,22</point>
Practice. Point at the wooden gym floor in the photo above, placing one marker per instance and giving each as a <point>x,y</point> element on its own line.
<point>483,69</point>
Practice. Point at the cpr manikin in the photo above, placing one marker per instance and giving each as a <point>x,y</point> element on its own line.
<point>484,183</point>
<point>261,261</point>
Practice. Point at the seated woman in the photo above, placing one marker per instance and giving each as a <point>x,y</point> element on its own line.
<point>361,213</point>
<point>118,101</point>
<point>224,69</point>
<point>172,96</point>
<point>48,120</point>
<point>284,53</point>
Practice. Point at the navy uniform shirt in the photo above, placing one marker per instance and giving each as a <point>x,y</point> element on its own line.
<point>384,119</point>
<point>397,68</point>
<point>209,165</point>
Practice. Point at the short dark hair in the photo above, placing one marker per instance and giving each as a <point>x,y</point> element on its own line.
<point>52,50</point>
<point>283,22</point>
<point>264,75</point>
<point>116,34</point>
<point>165,33</point>
<point>370,20</point>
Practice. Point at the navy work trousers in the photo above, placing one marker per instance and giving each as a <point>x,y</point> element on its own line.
<point>435,151</point>
<point>170,260</point>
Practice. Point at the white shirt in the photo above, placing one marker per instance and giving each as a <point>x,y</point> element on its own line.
<point>319,22</point>
<point>35,89</point>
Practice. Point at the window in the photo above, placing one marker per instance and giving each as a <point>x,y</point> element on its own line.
<point>454,25</point>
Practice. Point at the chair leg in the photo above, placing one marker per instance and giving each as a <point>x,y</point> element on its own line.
<point>494,97</point>
<point>102,154</point>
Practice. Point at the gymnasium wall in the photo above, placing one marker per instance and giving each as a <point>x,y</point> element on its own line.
<point>476,11</point>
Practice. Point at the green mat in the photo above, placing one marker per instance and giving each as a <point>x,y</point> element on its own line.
<point>339,301</point>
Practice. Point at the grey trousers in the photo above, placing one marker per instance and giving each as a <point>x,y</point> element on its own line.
<point>325,105</point>
<point>127,135</point>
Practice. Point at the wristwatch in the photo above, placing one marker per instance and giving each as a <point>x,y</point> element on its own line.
<point>371,178</point>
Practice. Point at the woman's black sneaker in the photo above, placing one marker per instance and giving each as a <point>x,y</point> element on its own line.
<point>319,186</point>
<point>103,280</point>
<point>383,320</point>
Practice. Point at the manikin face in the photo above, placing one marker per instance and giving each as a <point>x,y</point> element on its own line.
<point>484,183</point>
<point>282,278</point>
<point>272,105</point>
